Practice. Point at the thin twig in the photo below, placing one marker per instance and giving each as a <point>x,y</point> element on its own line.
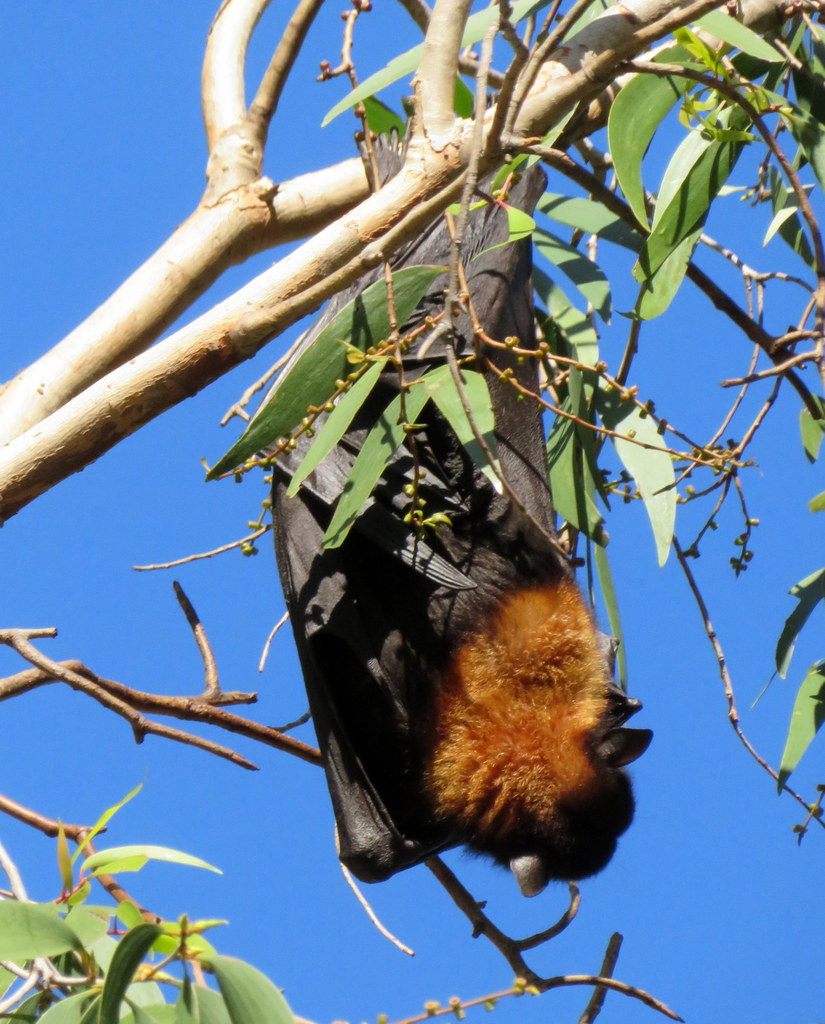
<point>269,639</point>
<point>205,554</point>
<point>371,913</point>
<point>611,955</point>
<point>211,682</point>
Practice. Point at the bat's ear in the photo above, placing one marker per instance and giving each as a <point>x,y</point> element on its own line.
<point>530,873</point>
<point>623,746</point>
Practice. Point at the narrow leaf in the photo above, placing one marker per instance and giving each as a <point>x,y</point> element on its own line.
<point>29,930</point>
<point>734,33</point>
<point>336,424</point>
<point>382,119</point>
<point>813,430</point>
<point>790,229</point>
<point>651,468</point>
<point>696,172</point>
<point>817,504</point>
<point>611,605</point>
<point>67,1011</point>
<point>591,217</point>
<point>88,923</point>
<point>806,720</point>
<point>576,326</point>
<point>310,379</point>
<point>249,995</point>
<point>104,819</point>
<point>808,592</point>
<point>64,860</point>
<point>379,447</point>
<point>584,273</point>
<point>442,389</point>
<point>162,853</point>
<point>210,1006</point>
<point>129,954</point>
<point>636,113</point>
<point>405,63</point>
<point>659,290</point>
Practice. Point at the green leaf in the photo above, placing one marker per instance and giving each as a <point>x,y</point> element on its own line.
<point>651,468</point>
<point>104,819</point>
<point>336,424</point>
<point>382,119</point>
<point>250,996</point>
<point>29,930</point>
<point>808,592</point>
<point>69,1010</point>
<point>210,1006</point>
<point>817,504</point>
<point>406,63</point>
<point>584,273</point>
<point>577,328</point>
<point>806,720</point>
<point>636,113</point>
<point>739,36</point>
<point>129,955</point>
<point>310,380</point>
<point>127,913</point>
<point>696,172</point>
<point>88,923</point>
<point>441,387</point>
<point>591,217</point>
<point>379,447</point>
<point>659,290</point>
<point>104,858</point>
<point>611,606</point>
<point>810,135</point>
<point>571,481</point>
<point>790,228</point>
<point>161,1013</point>
<point>463,99</point>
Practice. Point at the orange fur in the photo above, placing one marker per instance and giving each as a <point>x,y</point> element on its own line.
<point>510,717</point>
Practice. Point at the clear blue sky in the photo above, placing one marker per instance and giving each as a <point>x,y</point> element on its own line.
<point>720,909</point>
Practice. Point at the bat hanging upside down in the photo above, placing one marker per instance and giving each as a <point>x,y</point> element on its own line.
<point>460,690</point>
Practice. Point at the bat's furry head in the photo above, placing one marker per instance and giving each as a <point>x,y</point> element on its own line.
<point>525,743</point>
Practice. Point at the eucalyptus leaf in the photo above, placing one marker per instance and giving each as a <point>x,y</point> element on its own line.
<point>309,380</point>
<point>586,275</point>
<point>651,467</point>
<point>808,592</point>
<point>381,119</point>
<point>591,217</point>
<point>379,447</point>
<point>336,424</point>
<point>67,1011</point>
<point>812,430</point>
<point>441,387</point>
<point>611,605</point>
<point>577,328</point>
<point>29,930</point>
<point>817,504</point>
<point>806,720</point>
<point>659,290</point>
<point>249,996</point>
<point>162,853</point>
<point>635,114</point>
<point>739,36</point>
<point>406,63</point>
<point>129,955</point>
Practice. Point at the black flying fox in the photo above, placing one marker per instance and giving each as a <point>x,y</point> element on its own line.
<point>460,689</point>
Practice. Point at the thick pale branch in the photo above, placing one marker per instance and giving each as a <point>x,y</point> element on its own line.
<point>156,294</point>
<point>435,78</point>
<point>222,78</point>
<point>186,362</point>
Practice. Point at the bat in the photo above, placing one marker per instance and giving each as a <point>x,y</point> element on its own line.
<point>460,690</point>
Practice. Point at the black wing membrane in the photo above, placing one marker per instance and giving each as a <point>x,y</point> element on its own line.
<point>378,619</point>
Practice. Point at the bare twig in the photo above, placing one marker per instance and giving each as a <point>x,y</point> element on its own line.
<point>371,913</point>
<point>733,713</point>
<point>205,554</point>
<point>611,955</point>
<point>211,684</point>
<point>269,639</point>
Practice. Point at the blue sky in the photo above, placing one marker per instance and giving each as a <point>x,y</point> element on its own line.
<point>721,910</point>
